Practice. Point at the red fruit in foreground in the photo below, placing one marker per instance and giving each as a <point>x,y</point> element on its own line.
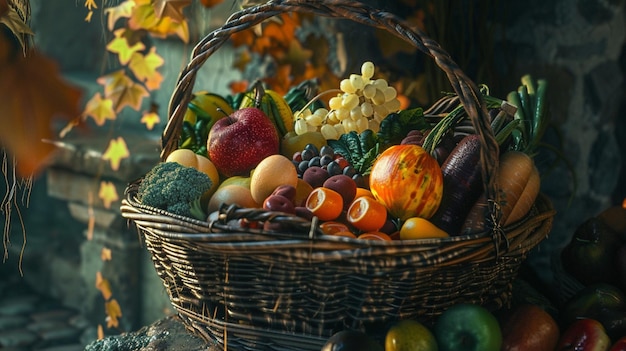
<point>530,328</point>
<point>279,203</point>
<point>619,345</point>
<point>237,143</point>
<point>286,190</point>
<point>344,185</point>
<point>584,335</point>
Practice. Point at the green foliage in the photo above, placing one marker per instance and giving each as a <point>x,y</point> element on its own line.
<point>397,125</point>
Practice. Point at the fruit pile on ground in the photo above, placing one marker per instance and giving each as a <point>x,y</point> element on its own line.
<point>369,168</point>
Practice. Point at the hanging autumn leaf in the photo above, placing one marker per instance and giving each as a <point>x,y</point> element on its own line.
<point>144,17</point>
<point>150,119</point>
<point>14,21</point>
<point>100,332</point>
<point>239,86</point>
<point>90,5</point>
<point>99,109</point>
<point>107,193</point>
<point>144,67</point>
<point>281,80</point>
<point>166,27</point>
<point>32,96</point>
<point>116,152</point>
<point>120,46</point>
<point>122,90</point>
<point>113,312</point>
<point>297,57</point>
<point>103,286</point>
<point>106,254</point>
<point>123,10</point>
<point>171,8</point>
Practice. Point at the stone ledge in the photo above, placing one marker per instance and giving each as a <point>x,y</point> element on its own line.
<point>165,334</point>
<point>83,154</point>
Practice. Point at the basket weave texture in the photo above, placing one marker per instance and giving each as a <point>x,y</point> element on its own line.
<point>246,289</point>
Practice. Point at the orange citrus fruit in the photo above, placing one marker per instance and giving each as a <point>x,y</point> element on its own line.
<point>375,236</point>
<point>332,227</point>
<point>347,234</point>
<point>420,228</point>
<point>363,192</point>
<point>367,214</point>
<point>324,203</point>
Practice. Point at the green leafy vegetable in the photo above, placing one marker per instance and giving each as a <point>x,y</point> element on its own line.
<point>396,126</point>
<point>359,149</point>
<point>175,188</point>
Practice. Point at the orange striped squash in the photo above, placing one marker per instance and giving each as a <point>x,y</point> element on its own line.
<point>408,181</point>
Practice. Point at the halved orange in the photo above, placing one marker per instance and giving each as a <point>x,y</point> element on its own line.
<point>324,203</point>
<point>375,236</point>
<point>332,227</point>
<point>367,214</point>
<point>420,228</point>
<point>363,192</point>
<point>347,234</point>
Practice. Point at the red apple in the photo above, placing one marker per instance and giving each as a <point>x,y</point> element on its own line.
<point>529,328</point>
<point>619,345</point>
<point>584,335</point>
<point>237,143</point>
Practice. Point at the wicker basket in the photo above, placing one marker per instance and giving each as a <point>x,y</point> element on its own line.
<point>246,289</point>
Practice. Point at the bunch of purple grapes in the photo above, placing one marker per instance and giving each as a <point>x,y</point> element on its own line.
<point>316,165</point>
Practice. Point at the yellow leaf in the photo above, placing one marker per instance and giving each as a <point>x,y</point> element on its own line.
<point>107,193</point>
<point>99,109</point>
<point>154,81</point>
<point>103,286</point>
<point>150,119</point>
<point>112,81</point>
<point>142,16</point>
<point>88,17</point>
<point>145,66</point>
<point>116,152</point>
<point>113,312</point>
<point>119,45</point>
<point>100,332</point>
<point>122,90</point>
<point>90,4</point>
<point>105,254</point>
<point>170,8</point>
<point>123,10</point>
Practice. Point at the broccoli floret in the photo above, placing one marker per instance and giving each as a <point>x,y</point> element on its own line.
<point>175,188</point>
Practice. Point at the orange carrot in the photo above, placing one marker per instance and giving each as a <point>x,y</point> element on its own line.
<point>526,199</point>
<point>518,181</point>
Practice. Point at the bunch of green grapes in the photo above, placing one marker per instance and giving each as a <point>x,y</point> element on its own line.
<point>361,103</point>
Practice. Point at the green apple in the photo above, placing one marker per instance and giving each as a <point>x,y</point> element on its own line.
<point>410,335</point>
<point>468,327</point>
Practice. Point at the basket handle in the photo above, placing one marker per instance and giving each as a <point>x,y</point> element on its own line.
<point>468,92</point>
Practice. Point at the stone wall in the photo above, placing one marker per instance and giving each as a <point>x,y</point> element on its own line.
<point>578,45</point>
